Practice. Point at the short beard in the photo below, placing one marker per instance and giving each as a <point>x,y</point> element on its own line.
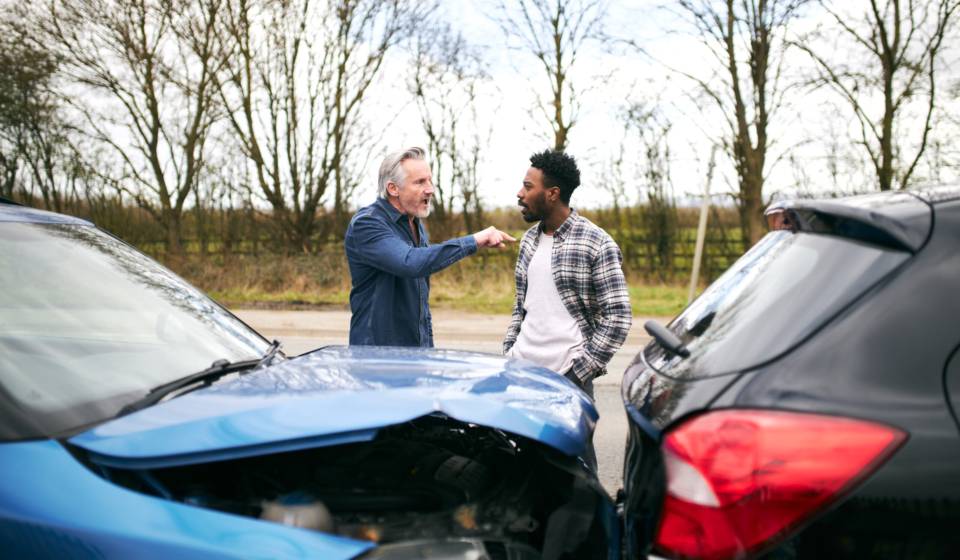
<point>416,212</point>
<point>535,210</point>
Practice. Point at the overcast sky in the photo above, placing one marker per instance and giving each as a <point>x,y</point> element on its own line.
<point>802,132</point>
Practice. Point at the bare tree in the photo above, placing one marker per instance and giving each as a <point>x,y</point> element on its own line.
<point>882,56</point>
<point>555,32</point>
<point>37,151</point>
<point>25,74</point>
<point>294,97</point>
<point>446,80</point>
<point>747,83</point>
<point>648,130</point>
<point>142,73</point>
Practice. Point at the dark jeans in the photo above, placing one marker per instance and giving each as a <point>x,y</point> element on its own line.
<point>590,454</point>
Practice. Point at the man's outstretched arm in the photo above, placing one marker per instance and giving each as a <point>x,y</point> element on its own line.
<point>376,244</point>
<point>492,238</point>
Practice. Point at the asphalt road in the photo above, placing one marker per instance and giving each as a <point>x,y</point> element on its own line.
<point>301,331</point>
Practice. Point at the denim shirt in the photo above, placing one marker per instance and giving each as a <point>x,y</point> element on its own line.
<point>391,276</point>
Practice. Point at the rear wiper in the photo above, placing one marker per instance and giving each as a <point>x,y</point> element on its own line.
<point>217,370</point>
<point>666,339</point>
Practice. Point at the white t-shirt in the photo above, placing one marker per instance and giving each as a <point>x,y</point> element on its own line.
<point>549,335</point>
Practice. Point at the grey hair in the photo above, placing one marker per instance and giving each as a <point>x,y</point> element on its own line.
<point>391,170</point>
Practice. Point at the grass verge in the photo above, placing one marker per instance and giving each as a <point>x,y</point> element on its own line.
<point>658,300</point>
<point>494,298</point>
<point>478,285</point>
<point>252,298</point>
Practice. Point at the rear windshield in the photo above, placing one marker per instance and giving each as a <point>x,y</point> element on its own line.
<point>784,288</point>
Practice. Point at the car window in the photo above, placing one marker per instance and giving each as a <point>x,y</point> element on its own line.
<point>88,324</point>
<point>783,289</point>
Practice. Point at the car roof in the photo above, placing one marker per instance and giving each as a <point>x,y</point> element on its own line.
<point>902,219</point>
<point>13,212</point>
<point>938,193</point>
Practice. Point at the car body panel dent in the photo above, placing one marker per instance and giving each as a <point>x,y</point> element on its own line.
<point>343,390</point>
<point>53,507</point>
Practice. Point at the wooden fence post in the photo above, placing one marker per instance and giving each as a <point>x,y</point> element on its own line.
<point>702,228</point>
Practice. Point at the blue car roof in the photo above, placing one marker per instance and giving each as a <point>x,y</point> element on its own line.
<point>12,212</point>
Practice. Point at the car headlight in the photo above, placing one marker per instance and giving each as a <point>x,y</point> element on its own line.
<point>455,549</point>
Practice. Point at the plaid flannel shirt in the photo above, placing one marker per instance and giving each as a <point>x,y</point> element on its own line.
<point>586,268</point>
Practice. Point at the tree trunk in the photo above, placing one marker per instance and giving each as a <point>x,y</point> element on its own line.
<point>171,222</point>
<point>752,222</point>
<point>885,174</point>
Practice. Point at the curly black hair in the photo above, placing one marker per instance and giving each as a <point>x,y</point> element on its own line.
<point>559,170</point>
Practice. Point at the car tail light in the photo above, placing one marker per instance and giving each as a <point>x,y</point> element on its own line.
<point>741,481</point>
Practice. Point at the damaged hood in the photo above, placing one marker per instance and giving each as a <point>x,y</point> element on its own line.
<point>346,394</point>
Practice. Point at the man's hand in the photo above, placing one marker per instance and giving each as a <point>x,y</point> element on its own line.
<point>491,238</point>
<point>573,377</point>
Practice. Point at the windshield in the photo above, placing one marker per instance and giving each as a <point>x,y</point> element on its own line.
<point>781,291</point>
<point>88,324</point>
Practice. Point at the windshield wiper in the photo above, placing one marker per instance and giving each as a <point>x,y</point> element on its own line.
<point>217,370</point>
<point>269,355</point>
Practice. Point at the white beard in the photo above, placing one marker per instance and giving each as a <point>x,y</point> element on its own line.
<point>416,212</point>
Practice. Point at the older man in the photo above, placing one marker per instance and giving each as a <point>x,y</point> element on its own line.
<point>391,258</point>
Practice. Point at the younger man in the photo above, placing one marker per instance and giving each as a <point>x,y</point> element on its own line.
<point>572,310</point>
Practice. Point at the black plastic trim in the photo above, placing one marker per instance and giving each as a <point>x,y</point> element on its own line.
<point>899,220</point>
<point>10,202</point>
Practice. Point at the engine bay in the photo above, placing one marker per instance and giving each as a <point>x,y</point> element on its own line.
<point>432,478</point>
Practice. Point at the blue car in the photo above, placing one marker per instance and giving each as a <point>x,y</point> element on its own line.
<point>140,419</point>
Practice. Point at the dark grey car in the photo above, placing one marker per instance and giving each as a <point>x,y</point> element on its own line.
<point>814,413</point>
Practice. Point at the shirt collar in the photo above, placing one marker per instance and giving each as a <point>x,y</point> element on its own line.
<point>564,227</point>
<point>395,215</point>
